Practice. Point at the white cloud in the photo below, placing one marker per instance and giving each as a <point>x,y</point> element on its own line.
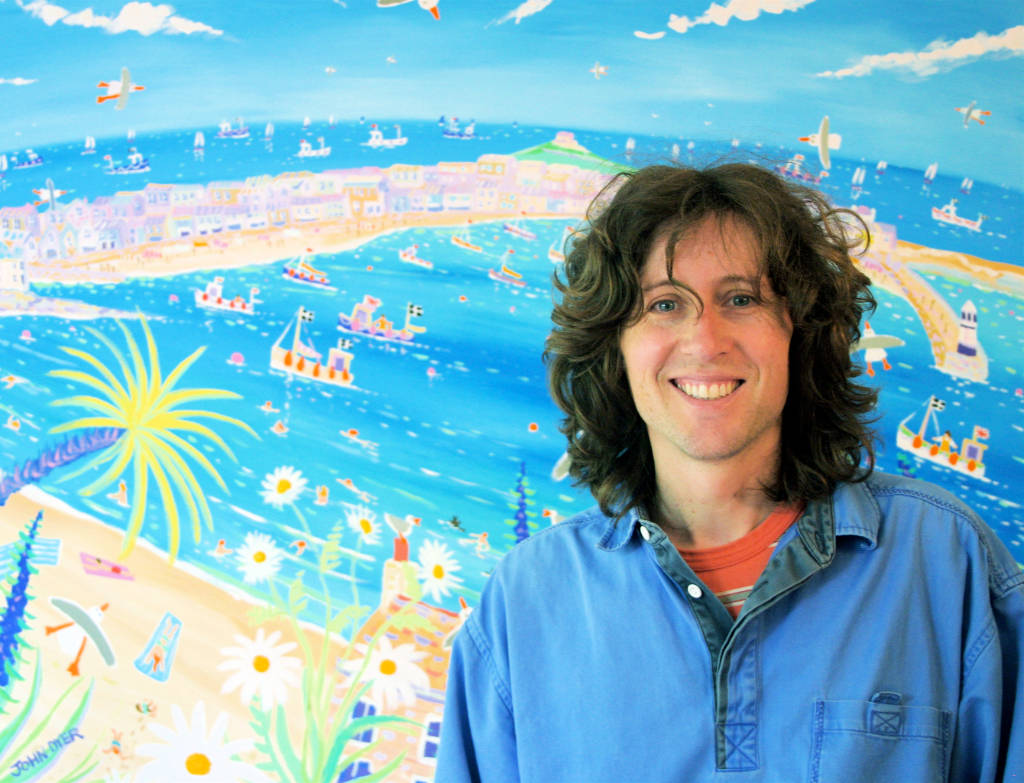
<point>649,36</point>
<point>744,10</point>
<point>938,55</point>
<point>135,17</point>
<point>17,81</point>
<point>529,8</point>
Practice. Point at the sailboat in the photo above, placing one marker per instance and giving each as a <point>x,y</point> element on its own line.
<point>364,322</point>
<point>306,150</point>
<point>268,133</point>
<point>880,168</point>
<point>462,240</point>
<point>857,181</point>
<point>507,274</point>
<point>675,152</point>
<point>930,172</point>
<point>303,360</point>
<point>3,163</point>
<point>409,256</point>
<point>966,185</point>
<point>299,270</point>
<point>305,123</point>
<point>517,230</point>
<point>630,145</point>
<point>199,145</point>
<point>90,146</point>
<point>556,253</point>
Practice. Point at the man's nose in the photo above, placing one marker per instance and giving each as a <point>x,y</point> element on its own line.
<point>710,334</point>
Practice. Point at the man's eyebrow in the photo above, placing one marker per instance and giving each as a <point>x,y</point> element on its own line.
<point>752,280</point>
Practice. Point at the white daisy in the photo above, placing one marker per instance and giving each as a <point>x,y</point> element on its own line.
<point>392,672</point>
<point>437,566</point>
<point>364,522</point>
<point>259,557</point>
<point>260,667</point>
<point>188,753</point>
<point>282,486</point>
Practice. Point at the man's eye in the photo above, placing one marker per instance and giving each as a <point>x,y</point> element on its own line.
<point>663,306</point>
<point>741,300</point>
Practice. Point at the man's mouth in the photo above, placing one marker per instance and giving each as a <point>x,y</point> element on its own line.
<point>707,391</point>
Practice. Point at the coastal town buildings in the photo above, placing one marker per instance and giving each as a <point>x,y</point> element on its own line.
<point>168,220</point>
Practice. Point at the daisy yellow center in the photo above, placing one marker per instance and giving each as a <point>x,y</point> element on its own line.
<point>259,557</point>
<point>283,485</point>
<point>388,667</point>
<point>366,526</point>
<point>261,663</point>
<point>198,764</point>
<point>438,571</point>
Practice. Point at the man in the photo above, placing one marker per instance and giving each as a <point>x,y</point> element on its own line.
<point>748,601</point>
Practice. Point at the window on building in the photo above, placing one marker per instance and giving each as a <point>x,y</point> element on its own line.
<point>364,709</point>
<point>354,771</point>
<point>431,739</point>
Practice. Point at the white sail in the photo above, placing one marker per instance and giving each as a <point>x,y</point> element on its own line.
<point>3,163</point>
<point>200,140</point>
<point>269,132</point>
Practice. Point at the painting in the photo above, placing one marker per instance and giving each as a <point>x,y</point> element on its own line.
<point>275,280</point>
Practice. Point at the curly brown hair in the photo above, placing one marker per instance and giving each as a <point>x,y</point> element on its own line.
<point>805,246</point>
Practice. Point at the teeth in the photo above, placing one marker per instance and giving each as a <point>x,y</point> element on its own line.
<point>708,391</point>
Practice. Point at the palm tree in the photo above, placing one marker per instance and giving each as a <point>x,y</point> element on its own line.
<point>136,421</point>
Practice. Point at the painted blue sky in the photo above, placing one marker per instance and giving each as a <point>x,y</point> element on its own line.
<point>890,78</point>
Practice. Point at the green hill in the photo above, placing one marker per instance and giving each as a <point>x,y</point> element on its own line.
<point>565,149</point>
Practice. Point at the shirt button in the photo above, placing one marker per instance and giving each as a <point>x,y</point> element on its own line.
<point>694,591</point>
<point>645,534</point>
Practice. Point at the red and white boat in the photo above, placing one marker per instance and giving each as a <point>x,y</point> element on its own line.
<point>408,256</point>
<point>212,298</point>
<point>462,240</point>
<point>947,214</point>
<point>299,270</point>
<point>506,274</point>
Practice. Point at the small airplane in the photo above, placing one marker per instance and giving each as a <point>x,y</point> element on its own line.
<point>970,113</point>
<point>48,194</point>
<point>119,89</point>
<point>599,70</point>
<point>824,141</point>
<point>426,5</point>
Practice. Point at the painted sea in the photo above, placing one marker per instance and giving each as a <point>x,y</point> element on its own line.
<point>443,428</point>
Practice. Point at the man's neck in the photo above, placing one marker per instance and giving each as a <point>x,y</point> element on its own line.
<point>710,505</point>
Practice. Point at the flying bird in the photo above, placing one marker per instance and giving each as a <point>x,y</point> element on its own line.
<point>426,5</point>
<point>118,89</point>
<point>970,113</point>
<point>824,141</point>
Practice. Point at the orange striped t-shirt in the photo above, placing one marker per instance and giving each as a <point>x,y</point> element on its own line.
<point>731,570</point>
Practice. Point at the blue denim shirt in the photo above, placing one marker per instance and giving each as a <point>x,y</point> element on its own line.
<point>882,643</point>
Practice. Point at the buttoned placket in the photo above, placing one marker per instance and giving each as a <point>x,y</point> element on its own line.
<point>734,645</point>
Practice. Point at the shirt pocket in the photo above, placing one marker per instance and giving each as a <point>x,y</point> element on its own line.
<point>879,740</point>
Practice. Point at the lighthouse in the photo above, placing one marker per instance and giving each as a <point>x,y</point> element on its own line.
<point>967,343</point>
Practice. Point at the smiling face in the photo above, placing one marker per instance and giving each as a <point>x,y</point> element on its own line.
<point>708,360</point>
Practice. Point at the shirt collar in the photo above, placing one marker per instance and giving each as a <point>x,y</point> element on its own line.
<point>851,511</point>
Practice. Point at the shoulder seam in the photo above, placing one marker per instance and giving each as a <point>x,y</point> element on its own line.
<point>1000,581</point>
<point>484,651</point>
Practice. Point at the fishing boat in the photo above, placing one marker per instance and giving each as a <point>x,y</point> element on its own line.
<point>947,214</point>
<point>363,322</point>
<point>453,131</point>
<point>299,270</point>
<point>31,160</point>
<point>794,169</point>
<point>515,229</point>
<point>212,298</point>
<point>408,256</point>
<point>941,449</point>
<point>137,164</point>
<point>462,240</point>
<point>556,253</point>
<point>930,172</point>
<point>225,131</point>
<point>966,185</point>
<point>507,274</point>
<point>90,146</point>
<point>377,140</point>
<point>303,360</point>
<point>306,150</point>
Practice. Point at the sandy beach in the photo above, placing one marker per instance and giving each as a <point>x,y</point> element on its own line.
<point>124,699</point>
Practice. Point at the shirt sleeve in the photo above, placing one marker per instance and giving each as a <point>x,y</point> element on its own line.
<point>478,743</point>
<point>989,746</point>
